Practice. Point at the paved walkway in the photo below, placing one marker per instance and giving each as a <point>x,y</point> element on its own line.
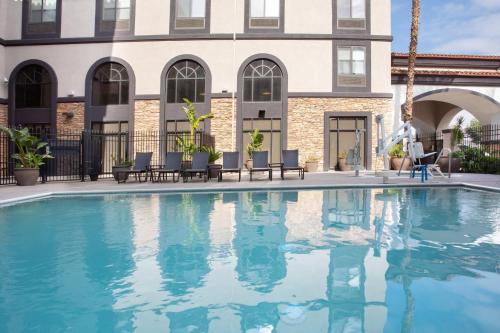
<point>13,193</point>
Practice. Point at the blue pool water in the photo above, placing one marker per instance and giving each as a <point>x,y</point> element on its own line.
<point>373,260</point>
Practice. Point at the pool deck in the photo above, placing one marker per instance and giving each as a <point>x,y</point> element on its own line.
<point>13,193</point>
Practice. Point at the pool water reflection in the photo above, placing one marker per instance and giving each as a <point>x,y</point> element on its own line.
<point>367,260</point>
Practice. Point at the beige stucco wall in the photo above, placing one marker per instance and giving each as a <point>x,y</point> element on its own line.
<point>308,17</point>
<point>13,19</point>
<point>306,122</point>
<point>3,74</point>
<point>74,124</point>
<point>152,17</point>
<point>78,18</point>
<point>381,67</point>
<point>225,18</point>
<point>381,17</point>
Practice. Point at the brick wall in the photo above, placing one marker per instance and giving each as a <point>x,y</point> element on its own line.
<point>306,123</point>
<point>76,123</point>
<point>3,114</point>
<point>221,124</point>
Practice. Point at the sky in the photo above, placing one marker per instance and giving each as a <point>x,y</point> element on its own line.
<point>450,26</point>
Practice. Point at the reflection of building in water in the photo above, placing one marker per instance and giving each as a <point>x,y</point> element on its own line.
<point>263,317</point>
<point>260,234</point>
<point>184,241</point>
<point>192,320</point>
<point>346,208</point>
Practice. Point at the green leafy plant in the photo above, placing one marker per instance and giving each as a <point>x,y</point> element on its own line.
<point>194,120</point>
<point>457,154</point>
<point>312,159</point>
<point>457,133</point>
<point>397,151</point>
<point>28,146</point>
<point>343,154</point>
<point>256,142</point>
<point>122,162</point>
<point>475,131</point>
<point>187,147</point>
<point>213,155</point>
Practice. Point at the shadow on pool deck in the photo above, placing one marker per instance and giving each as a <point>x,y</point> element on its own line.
<point>10,193</point>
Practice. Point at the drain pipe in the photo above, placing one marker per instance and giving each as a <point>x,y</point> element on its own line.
<point>233,93</point>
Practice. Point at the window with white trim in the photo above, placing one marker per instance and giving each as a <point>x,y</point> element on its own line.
<point>116,15</point>
<point>264,14</point>
<point>41,18</point>
<point>351,14</point>
<point>351,66</point>
<point>190,14</point>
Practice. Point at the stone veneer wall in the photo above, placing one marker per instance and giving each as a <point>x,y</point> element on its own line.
<point>74,124</point>
<point>221,124</point>
<point>147,115</point>
<point>306,124</point>
<point>4,109</point>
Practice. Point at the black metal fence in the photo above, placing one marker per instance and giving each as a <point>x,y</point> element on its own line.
<point>480,150</point>
<point>76,155</point>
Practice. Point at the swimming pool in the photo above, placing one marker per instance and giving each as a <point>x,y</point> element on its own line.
<point>364,260</point>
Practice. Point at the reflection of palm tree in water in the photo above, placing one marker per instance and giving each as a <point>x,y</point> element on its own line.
<point>406,325</point>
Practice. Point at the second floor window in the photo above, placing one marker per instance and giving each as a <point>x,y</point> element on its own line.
<point>264,14</point>
<point>41,17</point>
<point>190,14</point>
<point>352,66</point>
<point>116,15</point>
<point>351,14</point>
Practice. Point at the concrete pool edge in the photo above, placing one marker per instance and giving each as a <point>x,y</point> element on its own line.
<point>62,193</point>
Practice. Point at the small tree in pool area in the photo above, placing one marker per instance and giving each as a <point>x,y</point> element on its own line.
<point>255,144</point>
<point>193,119</point>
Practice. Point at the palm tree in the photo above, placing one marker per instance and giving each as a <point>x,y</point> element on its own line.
<point>412,57</point>
<point>194,120</point>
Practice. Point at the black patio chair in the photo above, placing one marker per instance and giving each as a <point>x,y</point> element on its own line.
<point>142,165</point>
<point>291,163</point>
<point>230,164</point>
<point>173,165</point>
<point>261,164</point>
<point>199,166</point>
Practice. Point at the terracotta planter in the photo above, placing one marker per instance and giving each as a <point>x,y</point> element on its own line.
<point>311,166</point>
<point>119,173</point>
<point>456,164</point>
<point>396,163</point>
<point>26,177</point>
<point>249,164</point>
<point>343,166</point>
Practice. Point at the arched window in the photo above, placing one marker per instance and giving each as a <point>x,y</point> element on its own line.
<point>262,81</point>
<point>33,88</point>
<point>110,85</point>
<point>186,79</point>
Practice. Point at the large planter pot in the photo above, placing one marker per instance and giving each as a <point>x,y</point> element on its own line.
<point>311,166</point>
<point>343,166</point>
<point>186,164</point>
<point>396,163</point>
<point>26,177</point>
<point>213,170</point>
<point>120,174</point>
<point>249,164</point>
<point>456,164</point>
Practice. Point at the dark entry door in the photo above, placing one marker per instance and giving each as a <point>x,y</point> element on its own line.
<point>343,137</point>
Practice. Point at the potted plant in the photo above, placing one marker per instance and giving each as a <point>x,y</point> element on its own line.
<point>120,167</point>
<point>255,144</point>
<point>213,156</point>
<point>312,163</point>
<point>28,156</point>
<point>343,166</point>
<point>457,138</point>
<point>397,155</point>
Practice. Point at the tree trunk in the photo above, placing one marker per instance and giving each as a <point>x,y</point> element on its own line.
<point>412,57</point>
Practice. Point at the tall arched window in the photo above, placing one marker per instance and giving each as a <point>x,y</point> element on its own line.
<point>33,88</point>
<point>110,85</point>
<point>262,81</point>
<point>186,79</point>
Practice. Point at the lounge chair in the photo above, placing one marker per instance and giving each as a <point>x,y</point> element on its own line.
<point>291,163</point>
<point>199,165</point>
<point>230,164</point>
<point>142,165</point>
<point>261,164</point>
<point>173,165</point>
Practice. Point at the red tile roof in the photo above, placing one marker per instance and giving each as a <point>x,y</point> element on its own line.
<point>449,56</point>
<point>430,72</point>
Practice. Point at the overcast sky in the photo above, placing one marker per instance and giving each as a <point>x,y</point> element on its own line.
<point>450,26</point>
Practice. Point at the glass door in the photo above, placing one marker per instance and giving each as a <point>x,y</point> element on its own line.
<point>343,138</point>
<point>271,130</point>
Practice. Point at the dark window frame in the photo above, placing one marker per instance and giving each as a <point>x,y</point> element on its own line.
<point>250,29</point>
<point>123,83</point>
<point>44,74</point>
<point>271,77</point>
<point>351,88</point>
<point>113,32</point>
<point>39,34</point>
<point>175,81</point>
<point>173,20</point>
<point>358,31</point>
<point>270,130</point>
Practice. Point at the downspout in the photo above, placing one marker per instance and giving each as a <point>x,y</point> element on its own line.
<point>233,89</point>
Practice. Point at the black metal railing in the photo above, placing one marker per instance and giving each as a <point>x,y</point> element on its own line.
<point>480,150</point>
<point>77,155</point>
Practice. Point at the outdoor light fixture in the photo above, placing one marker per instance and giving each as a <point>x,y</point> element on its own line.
<point>71,94</point>
<point>68,114</point>
<point>262,114</point>
<point>5,80</point>
<point>224,91</point>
